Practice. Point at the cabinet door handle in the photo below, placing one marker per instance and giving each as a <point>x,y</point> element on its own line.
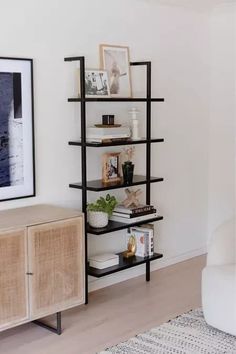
<point>29,273</point>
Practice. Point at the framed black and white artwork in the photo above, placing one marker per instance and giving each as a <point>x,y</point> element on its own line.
<point>116,60</point>
<point>17,166</point>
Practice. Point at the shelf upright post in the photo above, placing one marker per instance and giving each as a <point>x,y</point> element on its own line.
<point>148,148</point>
<point>82,101</point>
<point>84,166</point>
<point>148,134</point>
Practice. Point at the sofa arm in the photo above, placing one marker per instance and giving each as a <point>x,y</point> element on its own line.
<point>222,249</point>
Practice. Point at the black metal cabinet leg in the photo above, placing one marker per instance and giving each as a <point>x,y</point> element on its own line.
<point>147,271</point>
<point>56,330</point>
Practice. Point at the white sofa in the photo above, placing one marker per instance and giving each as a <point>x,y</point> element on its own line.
<point>219,280</point>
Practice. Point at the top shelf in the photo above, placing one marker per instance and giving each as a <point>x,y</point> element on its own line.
<point>115,99</point>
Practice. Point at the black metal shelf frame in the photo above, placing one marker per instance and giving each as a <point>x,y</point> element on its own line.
<point>96,185</point>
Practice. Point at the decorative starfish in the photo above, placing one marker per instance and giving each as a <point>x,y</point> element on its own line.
<point>132,198</point>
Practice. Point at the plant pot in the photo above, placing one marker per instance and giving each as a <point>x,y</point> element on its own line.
<point>97,219</point>
<point>128,172</point>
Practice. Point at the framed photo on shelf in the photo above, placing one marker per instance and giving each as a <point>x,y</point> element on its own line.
<point>17,168</point>
<point>96,83</point>
<point>110,168</point>
<point>116,60</point>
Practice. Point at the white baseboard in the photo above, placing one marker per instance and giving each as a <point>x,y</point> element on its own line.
<point>95,284</point>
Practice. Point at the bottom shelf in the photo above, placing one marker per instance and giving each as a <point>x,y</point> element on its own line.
<point>124,263</point>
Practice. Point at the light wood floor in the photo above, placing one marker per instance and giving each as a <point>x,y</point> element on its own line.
<point>114,314</point>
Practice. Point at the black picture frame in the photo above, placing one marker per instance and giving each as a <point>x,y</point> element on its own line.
<point>12,192</point>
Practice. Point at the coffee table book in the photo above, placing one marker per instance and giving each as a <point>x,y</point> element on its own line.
<point>133,210</point>
<point>132,216</point>
<point>135,219</point>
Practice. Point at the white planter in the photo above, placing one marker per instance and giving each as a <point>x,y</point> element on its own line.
<point>97,219</point>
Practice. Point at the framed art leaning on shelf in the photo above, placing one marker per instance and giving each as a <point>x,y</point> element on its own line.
<point>17,175</point>
<point>110,168</point>
<point>115,59</point>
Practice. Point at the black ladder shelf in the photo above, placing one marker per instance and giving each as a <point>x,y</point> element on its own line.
<point>97,185</point>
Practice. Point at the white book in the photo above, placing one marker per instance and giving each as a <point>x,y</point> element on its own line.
<point>149,232</point>
<point>102,261</point>
<point>98,139</point>
<point>133,220</point>
<point>127,216</point>
<point>108,133</point>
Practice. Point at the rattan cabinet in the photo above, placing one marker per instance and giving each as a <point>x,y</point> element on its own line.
<point>41,264</point>
<point>13,278</point>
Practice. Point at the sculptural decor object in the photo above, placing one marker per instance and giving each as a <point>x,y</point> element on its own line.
<point>131,248</point>
<point>115,59</point>
<point>132,199</point>
<point>134,123</point>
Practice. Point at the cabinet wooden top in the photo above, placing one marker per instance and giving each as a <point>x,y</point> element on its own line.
<point>34,215</point>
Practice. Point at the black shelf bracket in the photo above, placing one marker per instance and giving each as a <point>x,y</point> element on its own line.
<point>57,330</point>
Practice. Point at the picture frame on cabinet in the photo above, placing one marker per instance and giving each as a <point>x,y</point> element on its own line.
<point>116,61</point>
<point>17,169</point>
<point>111,167</point>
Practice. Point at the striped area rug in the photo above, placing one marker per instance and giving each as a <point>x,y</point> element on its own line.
<point>186,334</point>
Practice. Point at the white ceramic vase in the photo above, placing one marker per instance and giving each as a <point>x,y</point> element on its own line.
<point>135,123</point>
<point>97,219</point>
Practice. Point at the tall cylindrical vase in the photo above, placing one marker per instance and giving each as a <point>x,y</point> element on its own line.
<point>128,172</point>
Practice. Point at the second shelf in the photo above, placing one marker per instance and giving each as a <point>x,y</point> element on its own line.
<point>99,185</point>
<point>117,143</point>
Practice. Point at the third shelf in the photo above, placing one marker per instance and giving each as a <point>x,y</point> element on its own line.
<point>117,226</point>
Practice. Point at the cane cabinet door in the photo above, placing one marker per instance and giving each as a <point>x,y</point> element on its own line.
<point>13,278</point>
<point>56,265</point>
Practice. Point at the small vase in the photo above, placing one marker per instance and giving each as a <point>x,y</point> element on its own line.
<point>97,219</point>
<point>128,172</point>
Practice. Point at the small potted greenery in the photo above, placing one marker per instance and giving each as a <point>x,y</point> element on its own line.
<point>100,210</point>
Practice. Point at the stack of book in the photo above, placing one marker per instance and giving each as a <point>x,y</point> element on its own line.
<point>102,261</point>
<point>144,237</point>
<point>133,215</point>
<point>99,135</point>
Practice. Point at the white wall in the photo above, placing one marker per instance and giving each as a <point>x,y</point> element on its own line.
<point>222,120</point>
<point>176,39</point>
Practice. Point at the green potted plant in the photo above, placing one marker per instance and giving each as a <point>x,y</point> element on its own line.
<point>100,210</point>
